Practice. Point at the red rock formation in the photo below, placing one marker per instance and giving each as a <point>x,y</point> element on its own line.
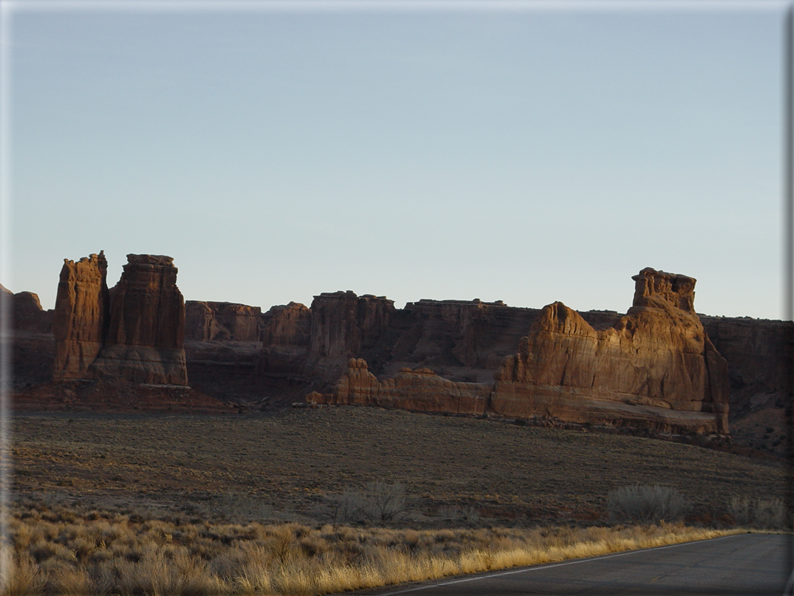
<point>25,312</point>
<point>28,314</point>
<point>80,316</point>
<point>657,357</point>
<point>344,324</point>
<point>420,390</point>
<point>317,342</point>
<point>285,339</point>
<point>464,340</point>
<point>200,321</point>
<point>759,355</point>
<point>655,368</point>
<point>222,321</point>
<point>145,337</point>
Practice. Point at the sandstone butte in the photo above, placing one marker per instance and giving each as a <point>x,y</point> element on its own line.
<point>654,368</point>
<point>132,332</point>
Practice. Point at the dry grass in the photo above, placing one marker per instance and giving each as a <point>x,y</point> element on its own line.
<point>67,552</point>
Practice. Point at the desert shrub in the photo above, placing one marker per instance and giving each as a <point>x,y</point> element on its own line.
<point>378,502</point>
<point>348,507</point>
<point>645,504</point>
<point>385,502</point>
<point>759,513</point>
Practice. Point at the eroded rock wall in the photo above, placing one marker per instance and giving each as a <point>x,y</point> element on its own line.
<point>134,332</point>
<point>654,368</point>
<point>317,342</point>
<point>286,337</point>
<point>759,356</point>
<point>81,314</point>
<point>463,340</point>
<point>29,316</point>
<point>344,325</point>
<point>146,331</point>
<point>222,321</point>
<point>657,355</point>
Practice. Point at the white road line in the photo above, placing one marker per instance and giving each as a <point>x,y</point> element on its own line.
<point>572,562</point>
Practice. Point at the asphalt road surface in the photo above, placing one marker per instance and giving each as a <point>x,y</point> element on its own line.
<point>741,565</point>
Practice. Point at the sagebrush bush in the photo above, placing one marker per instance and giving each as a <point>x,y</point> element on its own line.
<point>646,504</point>
<point>759,513</point>
<point>378,502</point>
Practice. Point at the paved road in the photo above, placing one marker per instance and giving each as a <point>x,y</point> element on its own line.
<point>742,565</point>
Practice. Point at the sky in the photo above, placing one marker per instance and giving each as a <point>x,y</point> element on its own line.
<point>518,151</point>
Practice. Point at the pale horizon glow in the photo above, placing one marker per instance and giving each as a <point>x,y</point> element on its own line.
<point>527,153</point>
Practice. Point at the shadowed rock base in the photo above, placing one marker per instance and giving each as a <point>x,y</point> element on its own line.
<point>419,389</point>
<point>142,364</point>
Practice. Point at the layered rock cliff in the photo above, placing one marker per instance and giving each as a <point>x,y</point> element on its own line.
<point>317,342</point>
<point>28,315</point>
<point>655,368</point>
<point>285,339</point>
<point>133,332</point>
<point>146,331</point>
<point>657,356</point>
<point>344,325</point>
<point>297,349</point>
<point>464,340</point>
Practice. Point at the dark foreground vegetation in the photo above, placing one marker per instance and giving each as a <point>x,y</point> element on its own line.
<point>312,501</point>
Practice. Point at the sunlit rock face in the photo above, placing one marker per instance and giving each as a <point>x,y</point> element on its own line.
<point>81,311</point>
<point>654,368</point>
<point>134,332</point>
<point>657,355</point>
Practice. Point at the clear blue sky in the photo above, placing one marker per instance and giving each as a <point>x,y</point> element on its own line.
<point>528,153</point>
